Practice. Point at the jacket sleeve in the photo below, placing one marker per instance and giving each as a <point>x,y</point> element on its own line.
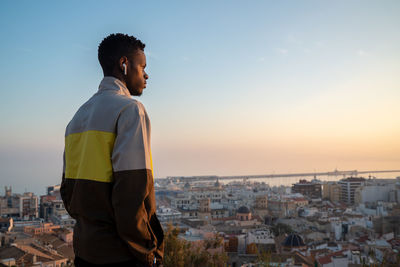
<point>65,191</point>
<point>62,188</point>
<point>133,181</point>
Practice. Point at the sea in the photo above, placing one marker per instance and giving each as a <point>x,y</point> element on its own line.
<point>289,181</point>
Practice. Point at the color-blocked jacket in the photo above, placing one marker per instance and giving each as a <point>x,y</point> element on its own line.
<point>107,183</point>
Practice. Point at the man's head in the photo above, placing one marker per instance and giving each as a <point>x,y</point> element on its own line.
<point>122,56</point>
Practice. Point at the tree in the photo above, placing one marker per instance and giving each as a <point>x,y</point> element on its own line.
<point>251,249</point>
<point>264,258</point>
<point>174,248</point>
<point>281,228</point>
<point>181,253</point>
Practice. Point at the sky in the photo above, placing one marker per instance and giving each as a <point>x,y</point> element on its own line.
<point>235,88</point>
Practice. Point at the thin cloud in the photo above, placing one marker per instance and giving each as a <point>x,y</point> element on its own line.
<point>361,53</point>
<point>282,51</point>
<point>291,38</point>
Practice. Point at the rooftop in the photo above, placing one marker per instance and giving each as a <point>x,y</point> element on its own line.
<point>293,240</point>
<point>243,209</point>
<point>353,179</point>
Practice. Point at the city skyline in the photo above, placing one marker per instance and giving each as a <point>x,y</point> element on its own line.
<point>234,89</point>
<point>352,221</point>
<point>272,180</point>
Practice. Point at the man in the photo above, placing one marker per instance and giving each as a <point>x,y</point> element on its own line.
<point>107,183</point>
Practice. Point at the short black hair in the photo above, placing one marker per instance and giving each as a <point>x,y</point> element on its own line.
<point>115,46</point>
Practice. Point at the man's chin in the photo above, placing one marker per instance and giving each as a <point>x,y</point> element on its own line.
<point>136,92</point>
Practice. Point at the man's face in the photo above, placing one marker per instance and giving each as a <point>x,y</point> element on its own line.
<point>136,76</point>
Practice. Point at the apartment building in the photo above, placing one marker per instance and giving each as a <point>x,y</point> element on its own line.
<point>19,206</point>
<point>348,187</point>
<point>308,189</point>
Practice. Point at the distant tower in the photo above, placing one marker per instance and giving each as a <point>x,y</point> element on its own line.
<point>8,191</point>
<point>261,206</point>
<point>205,205</point>
<point>261,202</point>
<point>217,184</point>
<point>204,212</point>
<point>187,186</point>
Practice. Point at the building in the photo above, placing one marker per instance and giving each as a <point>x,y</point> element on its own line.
<point>293,242</point>
<point>218,211</point>
<point>261,202</point>
<point>286,206</point>
<point>52,208</point>
<point>374,193</point>
<point>9,204</point>
<point>165,214</point>
<point>49,203</point>
<point>31,255</point>
<point>243,219</point>
<point>46,206</point>
<point>260,207</point>
<point>281,208</point>
<point>28,206</point>
<point>348,187</point>
<point>6,224</point>
<point>19,206</point>
<point>243,214</point>
<point>54,190</point>
<point>260,236</point>
<point>190,198</point>
<point>204,211</point>
<point>331,191</point>
<point>43,228</point>
<point>308,189</point>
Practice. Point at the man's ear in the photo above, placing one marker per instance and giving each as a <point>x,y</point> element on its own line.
<point>123,60</point>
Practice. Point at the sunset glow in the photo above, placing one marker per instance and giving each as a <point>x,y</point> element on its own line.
<point>233,89</point>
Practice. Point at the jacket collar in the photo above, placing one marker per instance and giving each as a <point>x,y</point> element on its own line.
<point>112,83</point>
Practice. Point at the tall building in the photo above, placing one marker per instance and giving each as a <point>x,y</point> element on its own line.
<point>28,206</point>
<point>261,202</point>
<point>308,189</point>
<point>331,191</point>
<point>19,206</point>
<point>46,206</point>
<point>9,204</point>
<point>348,187</point>
<point>204,211</point>
<point>52,208</point>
